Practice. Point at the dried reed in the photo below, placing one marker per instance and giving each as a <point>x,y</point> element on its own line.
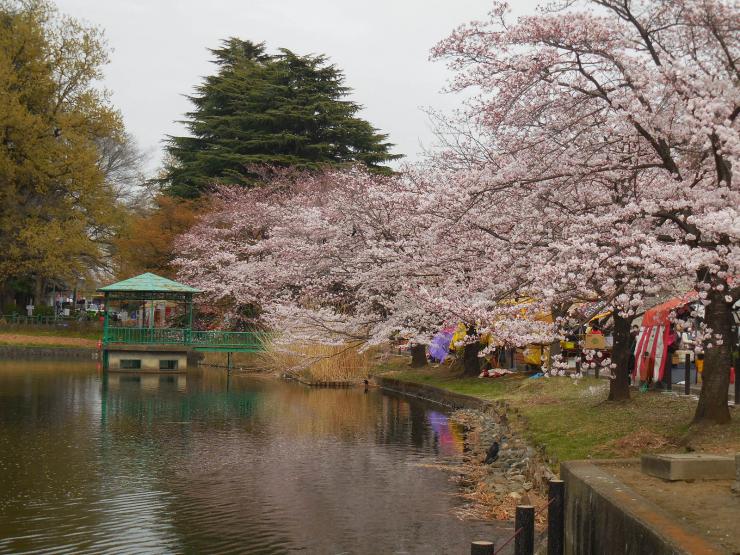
<point>318,363</point>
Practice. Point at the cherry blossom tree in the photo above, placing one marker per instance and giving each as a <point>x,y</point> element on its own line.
<point>626,92</point>
<point>327,257</point>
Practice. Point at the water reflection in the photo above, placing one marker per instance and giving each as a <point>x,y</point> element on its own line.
<point>204,462</point>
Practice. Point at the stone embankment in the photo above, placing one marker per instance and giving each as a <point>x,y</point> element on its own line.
<point>519,475</point>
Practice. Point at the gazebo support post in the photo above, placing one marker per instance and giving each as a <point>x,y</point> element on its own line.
<point>189,332</point>
<point>104,346</point>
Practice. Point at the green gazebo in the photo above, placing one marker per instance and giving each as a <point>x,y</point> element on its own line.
<point>150,348</point>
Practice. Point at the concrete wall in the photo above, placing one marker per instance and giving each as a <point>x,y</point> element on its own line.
<point>603,516</point>
<point>434,394</point>
<point>149,360</point>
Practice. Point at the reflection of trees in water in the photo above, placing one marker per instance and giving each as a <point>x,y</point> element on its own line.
<point>320,460</point>
<point>209,461</point>
<point>48,449</point>
<point>149,399</point>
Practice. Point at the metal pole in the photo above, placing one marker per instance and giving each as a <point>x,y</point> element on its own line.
<point>687,375</point>
<point>105,319</point>
<point>481,547</point>
<point>524,520</point>
<point>556,518</point>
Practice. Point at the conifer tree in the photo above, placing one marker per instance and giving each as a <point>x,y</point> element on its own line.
<point>277,110</point>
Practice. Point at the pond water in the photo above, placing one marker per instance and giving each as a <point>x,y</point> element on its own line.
<point>209,463</point>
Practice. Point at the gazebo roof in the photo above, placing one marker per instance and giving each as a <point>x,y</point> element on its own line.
<point>148,282</point>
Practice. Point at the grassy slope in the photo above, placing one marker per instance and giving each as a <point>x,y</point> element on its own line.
<point>573,420</point>
<point>34,336</point>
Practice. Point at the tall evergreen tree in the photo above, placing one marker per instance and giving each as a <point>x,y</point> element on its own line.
<point>261,109</point>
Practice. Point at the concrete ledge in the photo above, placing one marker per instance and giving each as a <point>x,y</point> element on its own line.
<point>604,516</point>
<point>433,394</point>
<point>689,466</point>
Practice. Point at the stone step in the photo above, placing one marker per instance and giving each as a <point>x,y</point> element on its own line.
<point>689,466</point>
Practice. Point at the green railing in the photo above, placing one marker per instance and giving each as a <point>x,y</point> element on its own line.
<point>21,320</point>
<point>146,336</point>
<point>215,340</point>
<point>224,339</point>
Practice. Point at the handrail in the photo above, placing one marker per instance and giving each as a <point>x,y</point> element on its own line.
<point>177,336</point>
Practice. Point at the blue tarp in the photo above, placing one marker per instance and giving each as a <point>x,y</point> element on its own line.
<point>439,348</point>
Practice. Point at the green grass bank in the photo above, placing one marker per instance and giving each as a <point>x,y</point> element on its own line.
<point>572,419</point>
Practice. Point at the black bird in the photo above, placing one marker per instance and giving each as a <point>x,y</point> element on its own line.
<point>492,454</point>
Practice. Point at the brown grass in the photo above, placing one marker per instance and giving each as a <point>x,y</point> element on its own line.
<point>319,363</point>
<point>638,442</point>
<point>45,341</point>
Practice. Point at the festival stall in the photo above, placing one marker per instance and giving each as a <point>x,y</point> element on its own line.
<point>656,337</point>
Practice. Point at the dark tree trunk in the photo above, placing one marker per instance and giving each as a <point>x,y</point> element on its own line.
<point>557,311</point>
<point>6,295</point>
<point>712,405</point>
<point>38,291</point>
<point>418,355</point>
<point>619,386</point>
<point>471,360</point>
<point>554,351</point>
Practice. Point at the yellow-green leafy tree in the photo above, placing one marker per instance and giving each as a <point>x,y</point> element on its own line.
<point>58,213</point>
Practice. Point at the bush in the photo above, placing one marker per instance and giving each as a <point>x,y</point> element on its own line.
<point>43,311</point>
<point>10,308</point>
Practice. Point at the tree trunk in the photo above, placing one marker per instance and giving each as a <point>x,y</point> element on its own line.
<point>38,291</point>
<point>6,296</point>
<point>418,355</point>
<point>554,351</point>
<point>557,312</point>
<point>712,405</point>
<point>619,386</point>
<point>471,360</point>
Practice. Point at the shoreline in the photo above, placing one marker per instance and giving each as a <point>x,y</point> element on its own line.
<point>519,474</point>
<point>42,351</point>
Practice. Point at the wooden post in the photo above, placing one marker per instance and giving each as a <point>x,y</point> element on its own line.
<point>556,518</point>
<point>481,547</point>
<point>524,519</point>
<point>668,373</point>
<point>687,375</point>
<point>228,360</point>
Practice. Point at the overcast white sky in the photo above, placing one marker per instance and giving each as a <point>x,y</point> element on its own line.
<point>160,53</point>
